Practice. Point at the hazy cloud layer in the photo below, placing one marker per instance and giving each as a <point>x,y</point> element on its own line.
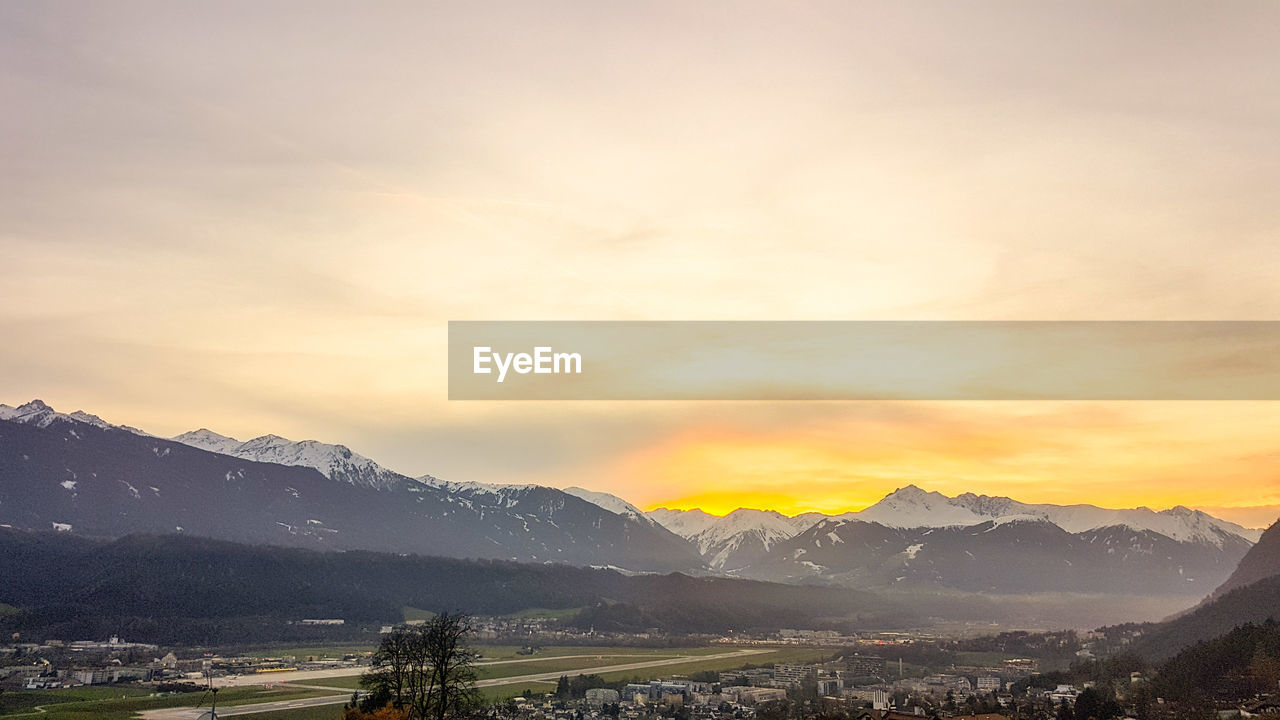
<point>259,218</point>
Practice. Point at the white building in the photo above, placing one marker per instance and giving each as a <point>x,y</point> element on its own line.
<point>601,696</point>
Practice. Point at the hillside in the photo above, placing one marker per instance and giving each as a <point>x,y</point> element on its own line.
<point>1250,595</point>
<point>177,588</point>
<point>1261,562</point>
<point>80,475</point>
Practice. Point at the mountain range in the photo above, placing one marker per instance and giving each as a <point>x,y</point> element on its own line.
<point>76,473</point>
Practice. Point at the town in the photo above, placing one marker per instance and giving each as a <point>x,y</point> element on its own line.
<point>874,675</point>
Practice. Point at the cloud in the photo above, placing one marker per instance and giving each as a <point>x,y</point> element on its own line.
<point>259,218</point>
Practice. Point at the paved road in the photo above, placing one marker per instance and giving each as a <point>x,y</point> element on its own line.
<point>192,713</point>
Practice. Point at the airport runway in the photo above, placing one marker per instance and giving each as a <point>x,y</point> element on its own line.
<point>194,713</point>
<point>299,675</point>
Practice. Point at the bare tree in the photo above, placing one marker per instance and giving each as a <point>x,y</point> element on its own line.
<point>425,669</point>
<point>388,682</point>
<point>450,663</point>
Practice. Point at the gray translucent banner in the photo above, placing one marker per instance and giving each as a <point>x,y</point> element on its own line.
<point>554,360</point>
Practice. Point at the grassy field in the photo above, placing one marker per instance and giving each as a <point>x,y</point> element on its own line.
<point>488,652</point>
<point>332,652</point>
<point>120,703</point>
<point>984,659</point>
<point>334,712</point>
<point>544,613</point>
<point>569,665</point>
<point>776,655</point>
<point>508,652</point>
<point>506,692</point>
<point>545,665</point>
<point>413,614</point>
<point>328,712</point>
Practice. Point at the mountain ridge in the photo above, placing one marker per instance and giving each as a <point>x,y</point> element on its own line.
<point>76,473</point>
<point>58,472</point>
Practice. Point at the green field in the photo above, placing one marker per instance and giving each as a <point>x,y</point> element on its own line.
<point>776,655</point>
<point>107,703</point>
<point>506,692</point>
<point>513,669</point>
<point>413,614</point>
<point>488,652</point>
<point>560,614</point>
<point>982,659</point>
<point>328,712</point>
<point>332,652</point>
<point>334,712</point>
<point>508,652</point>
<point>620,657</point>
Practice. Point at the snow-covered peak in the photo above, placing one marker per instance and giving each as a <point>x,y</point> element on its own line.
<point>206,439</point>
<point>719,538</point>
<point>612,503</point>
<point>685,523</point>
<point>912,507</point>
<point>469,486</point>
<point>32,413</point>
<point>39,414</point>
<point>336,462</point>
<point>689,524</point>
<point>769,525</point>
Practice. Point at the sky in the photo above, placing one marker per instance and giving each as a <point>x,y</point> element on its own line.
<point>259,219</point>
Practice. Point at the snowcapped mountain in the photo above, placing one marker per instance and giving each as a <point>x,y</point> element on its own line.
<point>41,415</point>
<point>912,507</point>
<point>209,440</point>
<point>78,473</point>
<point>1007,556</point>
<point>685,523</point>
<point>75,473</point>
<point>612,503</point>
<point>737,539</point>
<point>336,462</point>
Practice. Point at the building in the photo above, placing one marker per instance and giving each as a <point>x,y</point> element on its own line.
<point>829,685</point>
<point>757,696</point>
<point>597,697</point>
<point>636,692</point>
<point>988,684</point>
<point>864,665</point>
<point>794,674</point>
<point>1064,692</point>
